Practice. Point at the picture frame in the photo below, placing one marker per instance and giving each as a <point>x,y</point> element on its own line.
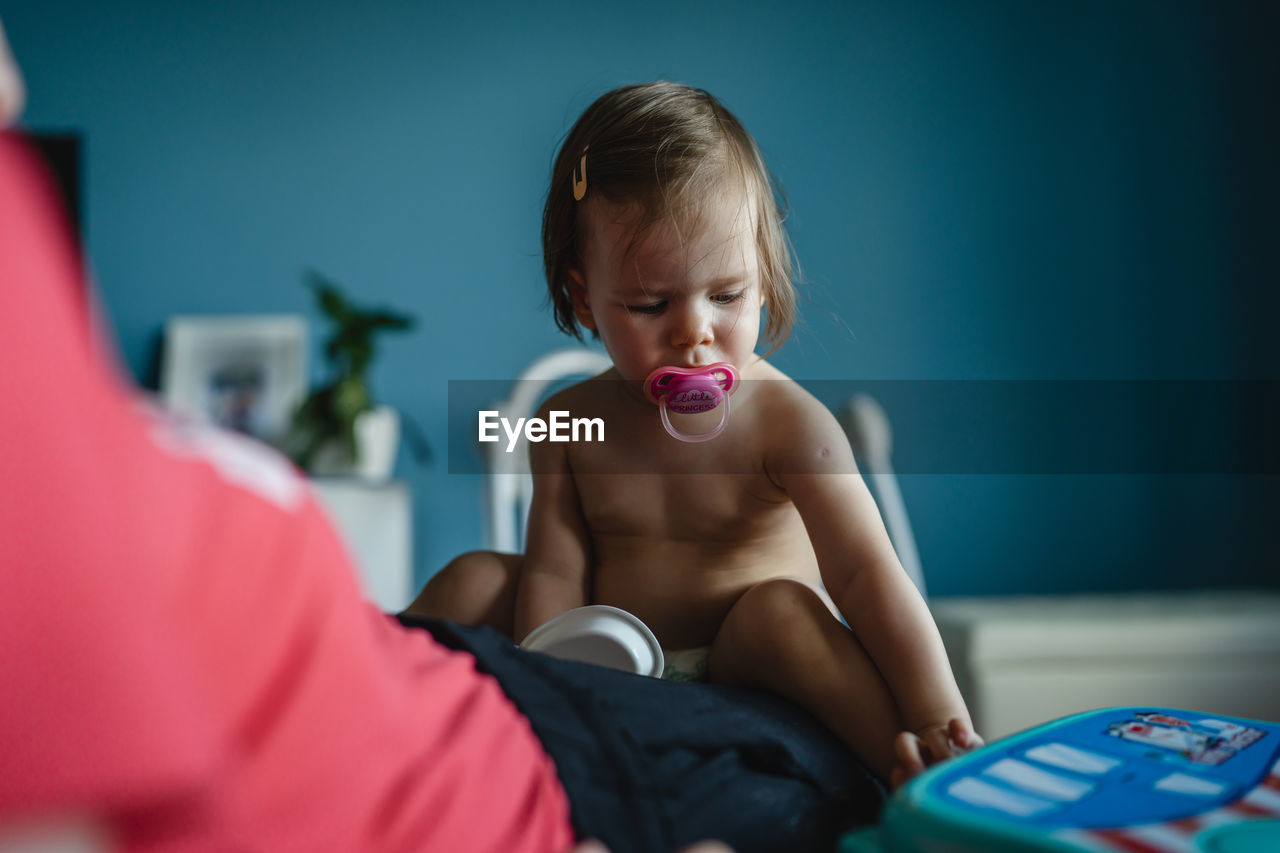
<point>242,372</point>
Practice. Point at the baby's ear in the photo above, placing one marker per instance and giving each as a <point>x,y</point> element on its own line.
<point>580,299</point>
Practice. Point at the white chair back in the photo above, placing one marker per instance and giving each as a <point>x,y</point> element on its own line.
<point>867,426</point>
<point>510,486</point>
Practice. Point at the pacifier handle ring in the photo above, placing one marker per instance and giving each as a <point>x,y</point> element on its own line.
<point>702,436</point>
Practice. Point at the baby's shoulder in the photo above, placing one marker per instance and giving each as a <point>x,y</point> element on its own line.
<point>784,401</point>
<point>800,430</point>
<point>587,396</point>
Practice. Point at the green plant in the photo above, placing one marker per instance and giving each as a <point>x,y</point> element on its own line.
<point>330,411</point>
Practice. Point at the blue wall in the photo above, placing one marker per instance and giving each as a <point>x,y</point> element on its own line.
<point>984,190</point>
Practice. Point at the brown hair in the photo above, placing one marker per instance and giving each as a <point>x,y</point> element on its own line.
<point>663,146</point>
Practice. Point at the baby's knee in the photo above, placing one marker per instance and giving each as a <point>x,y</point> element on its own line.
<point>478,572</point>
<point>470,587</point>
<point>773,606</point>
<point>775,617</point>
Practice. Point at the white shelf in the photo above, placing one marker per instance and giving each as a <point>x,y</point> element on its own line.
<point>375,521</point>
<point>1021,661</point>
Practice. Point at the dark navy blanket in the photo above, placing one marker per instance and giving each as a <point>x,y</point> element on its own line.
<point>650,765</point>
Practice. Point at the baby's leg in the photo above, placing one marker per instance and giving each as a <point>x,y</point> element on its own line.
<point>476,588</point>
<point>781,636</point>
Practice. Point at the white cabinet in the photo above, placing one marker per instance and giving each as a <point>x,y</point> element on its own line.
<point>1020,661</point>
<point>375,521</point>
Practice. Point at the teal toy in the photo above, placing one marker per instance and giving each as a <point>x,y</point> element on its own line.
<point>1120,780</point>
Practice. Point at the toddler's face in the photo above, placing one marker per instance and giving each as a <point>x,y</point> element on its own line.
<point>685,300</point>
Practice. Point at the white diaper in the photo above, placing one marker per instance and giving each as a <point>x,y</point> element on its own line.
<point>686,664</point>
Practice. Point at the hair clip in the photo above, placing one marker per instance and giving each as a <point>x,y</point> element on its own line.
<point>580,186</point>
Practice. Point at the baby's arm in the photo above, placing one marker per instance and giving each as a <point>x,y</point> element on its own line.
<point>555,574</point>
<point>864,578</point>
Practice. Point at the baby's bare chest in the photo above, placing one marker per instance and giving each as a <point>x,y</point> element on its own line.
<point>715,507</point>
<point>642,485</point>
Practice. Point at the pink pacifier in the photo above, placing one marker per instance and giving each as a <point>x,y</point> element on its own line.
<point>691,390</point>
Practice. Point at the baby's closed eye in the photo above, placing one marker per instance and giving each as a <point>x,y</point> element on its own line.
<point>648,308</point>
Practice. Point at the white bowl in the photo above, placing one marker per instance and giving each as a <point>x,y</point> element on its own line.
<point>599,634</point>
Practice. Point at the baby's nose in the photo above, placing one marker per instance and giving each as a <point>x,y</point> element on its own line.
<point>691,327</point>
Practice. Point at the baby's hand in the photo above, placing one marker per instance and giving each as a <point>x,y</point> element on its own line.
<point>928,746</point>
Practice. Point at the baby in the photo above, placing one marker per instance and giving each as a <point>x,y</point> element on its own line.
<point>663,237</point>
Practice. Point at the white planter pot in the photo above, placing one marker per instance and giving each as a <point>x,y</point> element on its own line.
<point>377,440</point>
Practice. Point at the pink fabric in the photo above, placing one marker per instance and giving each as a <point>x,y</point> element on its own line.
<point>185,651</point>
